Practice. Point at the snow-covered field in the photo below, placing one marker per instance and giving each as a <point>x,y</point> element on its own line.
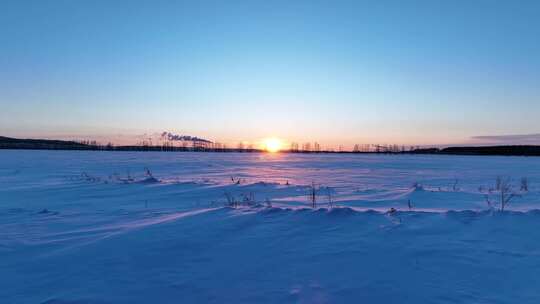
<point>96,227</point>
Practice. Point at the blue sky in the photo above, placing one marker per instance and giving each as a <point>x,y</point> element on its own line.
<point>337,72</point>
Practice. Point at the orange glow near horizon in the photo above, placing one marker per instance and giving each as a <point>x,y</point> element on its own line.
<point>273,145</point>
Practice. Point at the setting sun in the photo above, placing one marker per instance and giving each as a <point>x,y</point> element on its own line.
<point>272,145</point>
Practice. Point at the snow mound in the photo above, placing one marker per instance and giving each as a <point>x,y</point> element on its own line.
<point>379,257</point>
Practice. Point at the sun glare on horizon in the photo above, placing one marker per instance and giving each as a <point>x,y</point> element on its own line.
<point>273,145</point>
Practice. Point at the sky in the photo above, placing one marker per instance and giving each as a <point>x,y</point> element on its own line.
<point>336,72</point>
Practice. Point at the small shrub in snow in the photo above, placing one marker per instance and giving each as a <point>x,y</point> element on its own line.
<point>330,198</point>
<point>129,177</point>
<point>503,193</point>
<point>92,179</point>
<point>498,183</point>
<point>524,185</point>
<point>249,199</point>
<point>231,200</point>
<point>148,173</point>
<point>506,193</point>
<point>455,185</point>
<point>312,194</point>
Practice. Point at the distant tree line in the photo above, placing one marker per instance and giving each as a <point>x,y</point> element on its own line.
<point>358,148</point>
<point>307,147</point>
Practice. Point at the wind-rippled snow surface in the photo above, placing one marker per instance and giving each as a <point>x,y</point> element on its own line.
<point>140,227</point>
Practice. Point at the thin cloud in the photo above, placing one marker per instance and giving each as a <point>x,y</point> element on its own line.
<point>518,139</point>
